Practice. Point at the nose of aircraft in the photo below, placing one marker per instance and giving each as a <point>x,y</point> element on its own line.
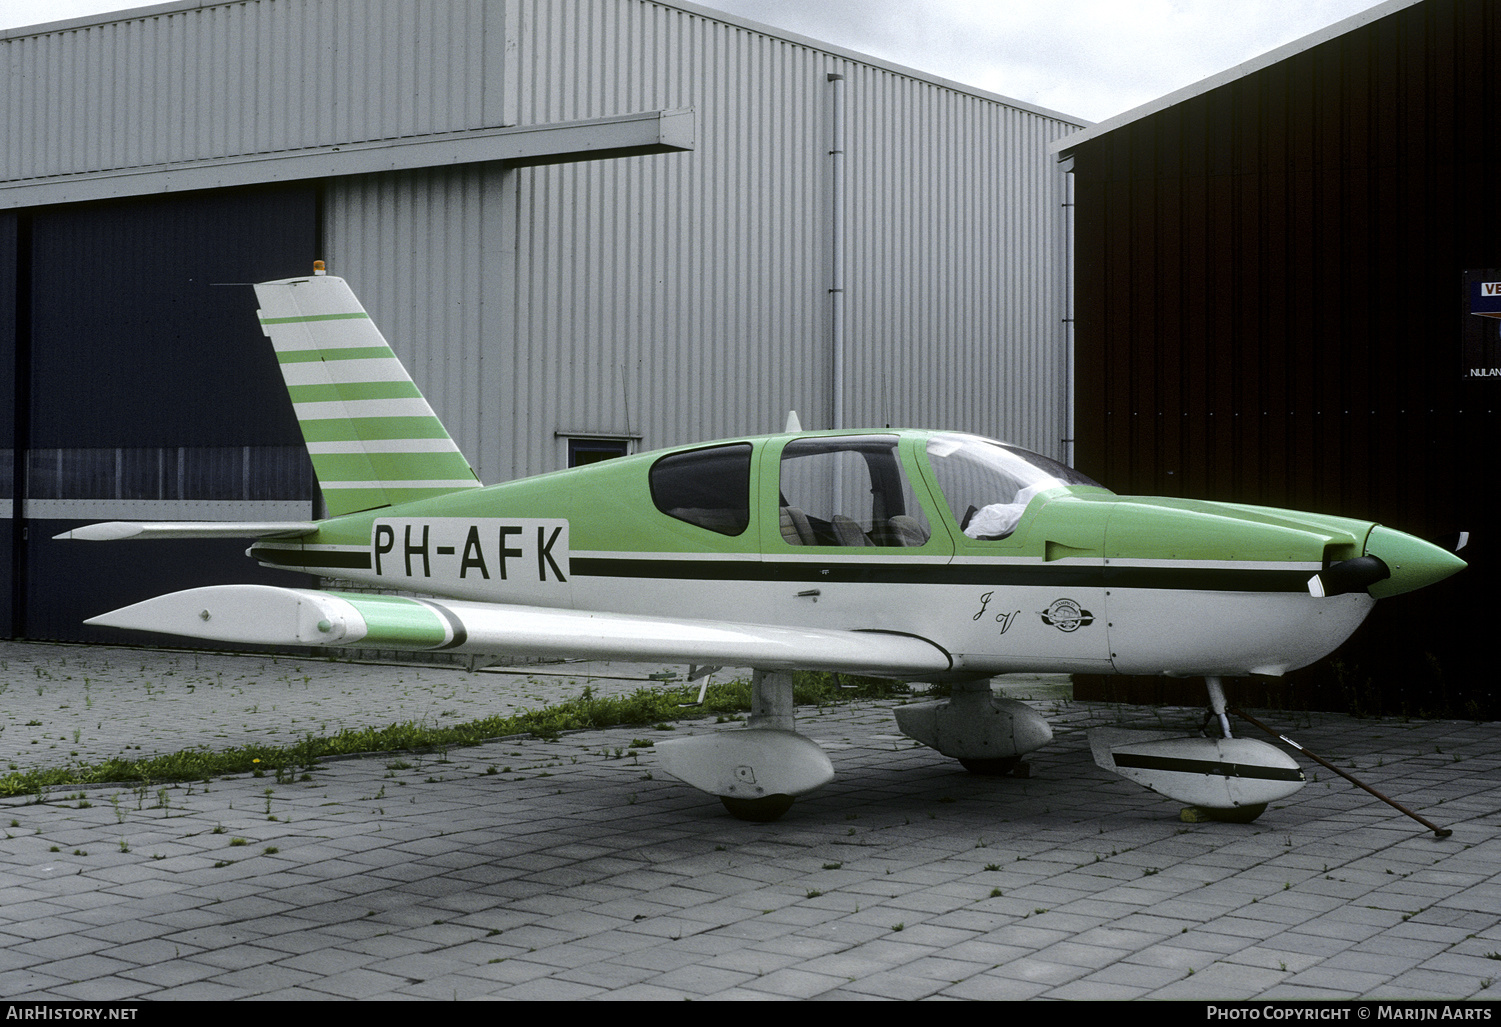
<point>1413,563</point>
<point>1393,563</point>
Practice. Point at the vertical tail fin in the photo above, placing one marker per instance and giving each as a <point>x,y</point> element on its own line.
<point>373,438</point>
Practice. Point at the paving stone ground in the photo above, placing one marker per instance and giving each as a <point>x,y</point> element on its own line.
<point>576,868</point>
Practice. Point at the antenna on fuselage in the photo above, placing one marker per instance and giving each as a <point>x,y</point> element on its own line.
<point>793,424</point>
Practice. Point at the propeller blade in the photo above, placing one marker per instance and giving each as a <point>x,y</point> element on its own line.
<point>1454,541</point>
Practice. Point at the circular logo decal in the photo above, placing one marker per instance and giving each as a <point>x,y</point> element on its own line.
<point>1066,615</point>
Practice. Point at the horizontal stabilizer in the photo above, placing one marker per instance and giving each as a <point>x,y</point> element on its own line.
<point>270,615</point>
<point>110,531</point>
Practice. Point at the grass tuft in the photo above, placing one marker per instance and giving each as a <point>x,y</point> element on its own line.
<point>644,706</point>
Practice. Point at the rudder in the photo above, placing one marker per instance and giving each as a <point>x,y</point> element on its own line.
<point>372,436</point>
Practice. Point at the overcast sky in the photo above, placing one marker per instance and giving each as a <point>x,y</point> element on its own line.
<point>1091,59</point>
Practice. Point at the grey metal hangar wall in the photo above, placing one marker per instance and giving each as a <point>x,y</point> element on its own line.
<point>585,225</point>
<point>1279,273</point>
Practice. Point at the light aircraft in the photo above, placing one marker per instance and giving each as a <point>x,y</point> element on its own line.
<point>927,556</point>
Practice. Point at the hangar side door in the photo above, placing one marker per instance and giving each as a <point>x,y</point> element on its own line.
<point>9,323</point>
<point>151,394</point>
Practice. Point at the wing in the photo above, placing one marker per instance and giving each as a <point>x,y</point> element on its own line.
<point>270,615</point>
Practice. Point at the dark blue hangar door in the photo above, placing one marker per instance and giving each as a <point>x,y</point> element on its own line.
<point>141,388</point>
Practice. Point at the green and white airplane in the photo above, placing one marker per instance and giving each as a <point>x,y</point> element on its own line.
<point>921,555</point>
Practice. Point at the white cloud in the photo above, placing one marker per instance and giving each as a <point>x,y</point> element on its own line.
<point>1087,58</point>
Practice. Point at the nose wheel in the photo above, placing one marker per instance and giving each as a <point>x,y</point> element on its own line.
<point>1003,767</point>
<point>1226,779</point>
<point>758,811</point>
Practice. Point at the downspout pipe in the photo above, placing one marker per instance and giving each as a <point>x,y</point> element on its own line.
<point>836,263</point>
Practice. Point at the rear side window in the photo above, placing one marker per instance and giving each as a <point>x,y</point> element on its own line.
<point>709,487</point>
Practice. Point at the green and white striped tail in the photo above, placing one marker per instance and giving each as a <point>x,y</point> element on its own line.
<point>373,438</point>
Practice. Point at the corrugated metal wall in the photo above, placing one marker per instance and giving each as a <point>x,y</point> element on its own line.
<point>217,80</point>
<point>958,263</point>
<point>427,252</point>
<point>1270,305</point>
<point>685,296</point>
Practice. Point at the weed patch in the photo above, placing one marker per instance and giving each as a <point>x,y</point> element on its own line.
<point>645,706</point>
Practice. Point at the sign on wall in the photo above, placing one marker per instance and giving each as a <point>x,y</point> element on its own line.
<point>1482,324</point>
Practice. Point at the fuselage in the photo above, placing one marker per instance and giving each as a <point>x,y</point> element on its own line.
<point>877,531</point>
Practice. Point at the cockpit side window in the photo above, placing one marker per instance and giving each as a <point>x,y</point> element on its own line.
<point>848,491</point>
<point>708,487</point>
<point>987,485</point>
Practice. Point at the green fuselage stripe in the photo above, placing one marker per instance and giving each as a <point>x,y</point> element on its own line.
<point>304,318</point>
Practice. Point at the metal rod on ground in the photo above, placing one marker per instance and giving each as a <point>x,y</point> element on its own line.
<point>1440,832</point>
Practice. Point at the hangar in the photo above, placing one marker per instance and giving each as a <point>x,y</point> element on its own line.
<point>587,226</point>
<point>1280,276</point>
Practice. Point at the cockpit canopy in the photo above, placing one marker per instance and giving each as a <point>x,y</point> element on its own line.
<point>987,484</point>
<point>851,490</point>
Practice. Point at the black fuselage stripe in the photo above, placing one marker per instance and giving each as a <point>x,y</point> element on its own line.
<point>313,559</point>
<point>1203,579</point>
<point>1189,578</point>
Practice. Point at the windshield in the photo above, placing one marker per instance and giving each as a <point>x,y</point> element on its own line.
<point>987,485</point>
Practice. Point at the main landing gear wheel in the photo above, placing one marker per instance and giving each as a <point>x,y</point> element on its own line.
<point>1000,767</point>
<point>759,811</point>
<point>757,770</point>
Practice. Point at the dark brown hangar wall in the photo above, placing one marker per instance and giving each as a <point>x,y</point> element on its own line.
<point>1273,308</point>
